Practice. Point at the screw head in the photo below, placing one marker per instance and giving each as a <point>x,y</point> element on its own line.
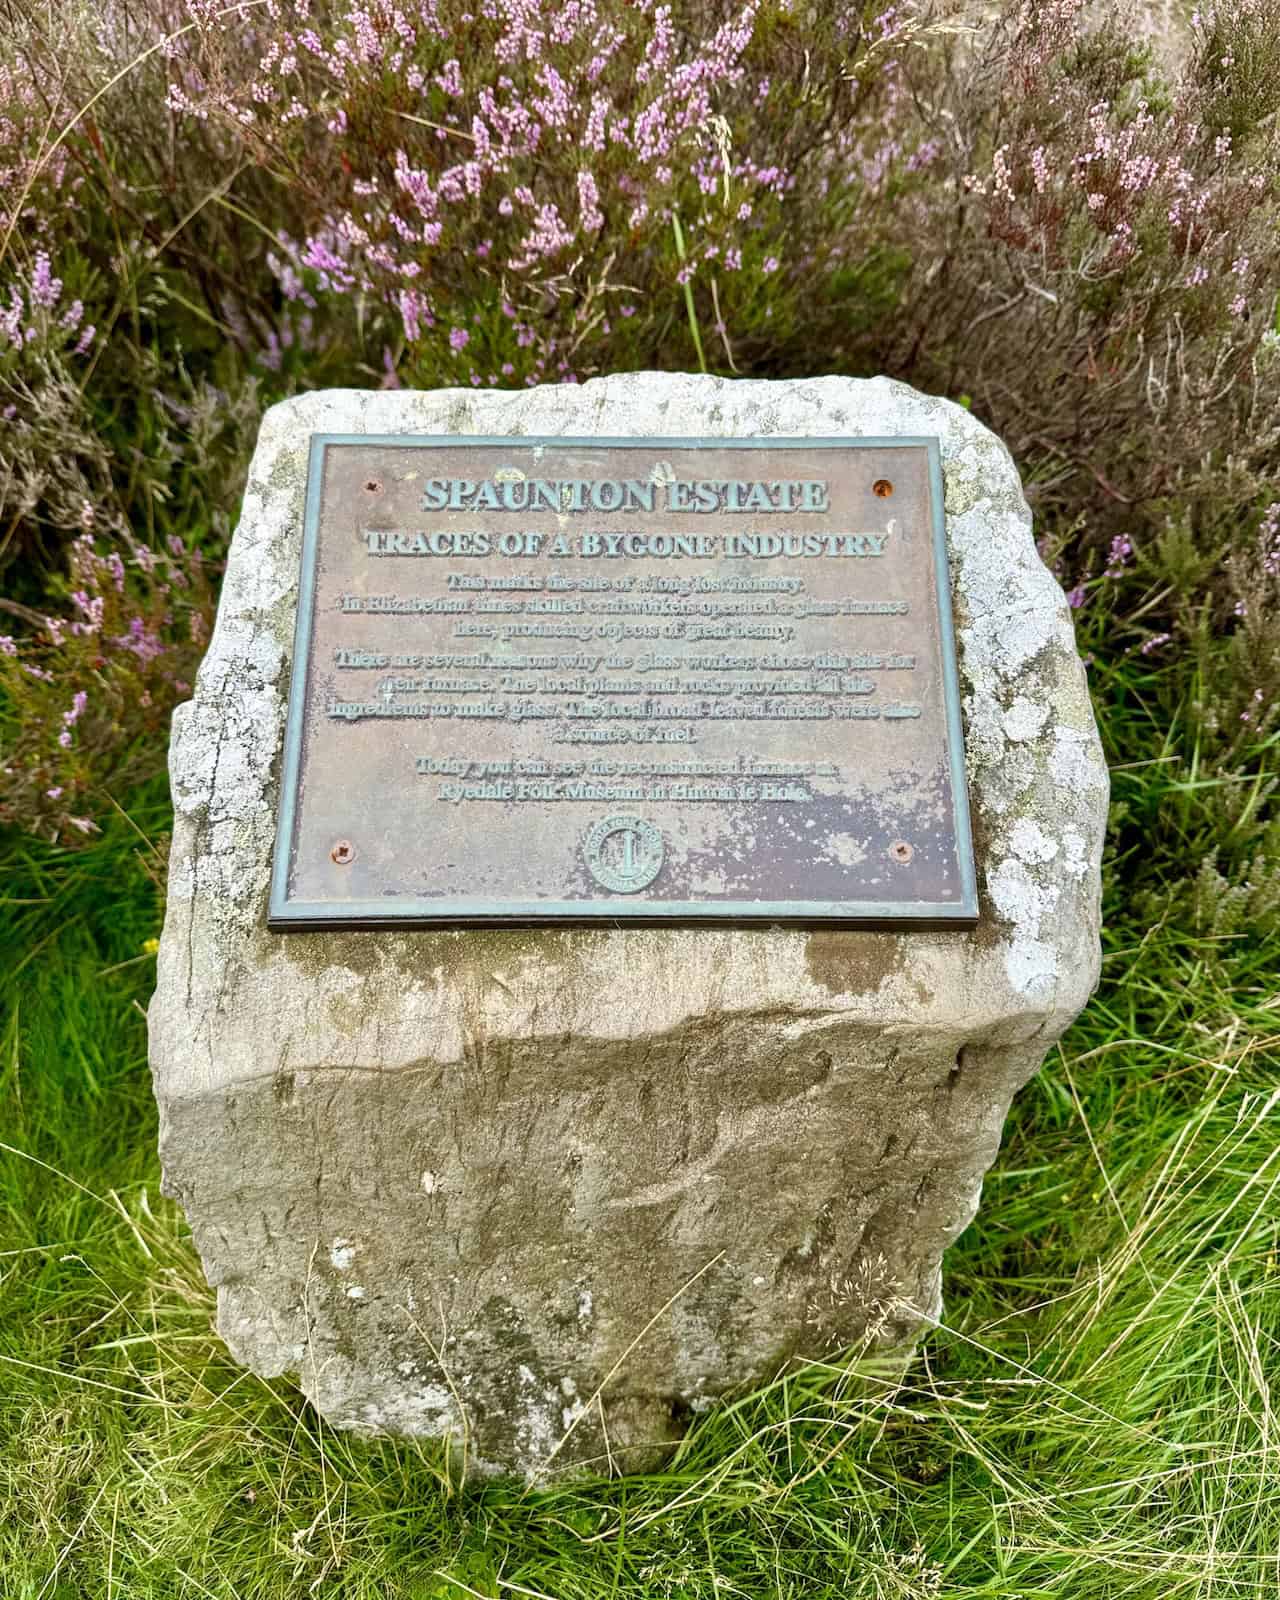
<point>882,488</point>
<point>343,852</point>
<point>901,851</point>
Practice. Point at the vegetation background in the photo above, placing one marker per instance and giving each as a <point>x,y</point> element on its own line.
<point>1021,205</point>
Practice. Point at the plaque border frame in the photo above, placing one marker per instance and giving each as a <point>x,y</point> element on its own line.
<point>285,916</point>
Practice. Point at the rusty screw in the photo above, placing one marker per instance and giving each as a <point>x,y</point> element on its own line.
<point>343,852</point>
<point>901,851</point>
<point>882,487</point>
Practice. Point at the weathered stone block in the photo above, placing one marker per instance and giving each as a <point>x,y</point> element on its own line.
<point>462,1182</point>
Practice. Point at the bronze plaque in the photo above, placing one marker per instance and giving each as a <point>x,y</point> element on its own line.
<point>622,680</point>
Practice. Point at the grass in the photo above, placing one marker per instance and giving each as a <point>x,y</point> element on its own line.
<point>1095,1419</point>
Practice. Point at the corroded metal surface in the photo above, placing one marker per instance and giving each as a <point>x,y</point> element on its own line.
<point>621,680</point>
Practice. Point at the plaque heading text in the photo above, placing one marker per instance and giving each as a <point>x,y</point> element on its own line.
<point>512,490</point>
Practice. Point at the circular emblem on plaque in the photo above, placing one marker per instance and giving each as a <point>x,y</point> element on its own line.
<point>623,853</point>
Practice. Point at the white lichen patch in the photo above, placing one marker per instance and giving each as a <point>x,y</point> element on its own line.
<point>1076,850</point>
<point>1029,841</point>
<point>537,1424</point>
<point>1076,762</point>
<point>1032,967</point>
<point>1025,718</point>
<point>426,1409</point>
<point>1020,895</point>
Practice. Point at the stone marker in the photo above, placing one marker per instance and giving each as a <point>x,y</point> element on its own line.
<point>549,1190</point>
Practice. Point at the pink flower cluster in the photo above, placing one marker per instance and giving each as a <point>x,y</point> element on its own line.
<point>123,650</point>
<point>32,302</point>
<point>37,184</point>
<point>1269,538</point>
<point>471,99</point>
<point>1136,173</point>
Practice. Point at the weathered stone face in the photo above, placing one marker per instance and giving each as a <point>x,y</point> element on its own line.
<point>548,1192</point>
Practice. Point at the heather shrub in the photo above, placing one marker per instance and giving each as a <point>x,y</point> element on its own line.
<point>56,467</point>
<point>108,609</point>
<point>1106,293</point>
<point>503,188</point>
<point>1106,288</point>
<point>91,688</point>
<point>1021,209</point>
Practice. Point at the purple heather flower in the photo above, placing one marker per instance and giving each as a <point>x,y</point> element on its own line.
<point>589,202</point>
<point>45,288</point>
<point>1118,555</point>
